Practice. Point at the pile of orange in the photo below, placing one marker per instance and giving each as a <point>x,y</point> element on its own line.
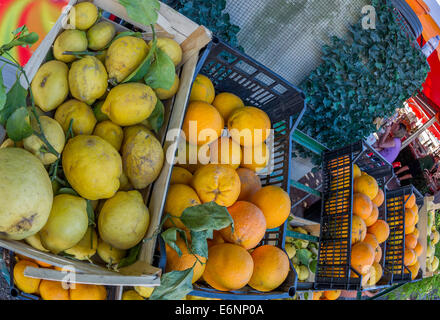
<point>53,290</point>
<point>368,231</point>
<point>326,295</point>
<point>224,177</point>
<point>413,247</point>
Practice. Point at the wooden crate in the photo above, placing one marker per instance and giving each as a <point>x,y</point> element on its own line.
<point>192,38</point>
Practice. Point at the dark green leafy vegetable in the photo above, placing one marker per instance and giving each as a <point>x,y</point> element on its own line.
<point>209,14</point>
<point>367,75</point>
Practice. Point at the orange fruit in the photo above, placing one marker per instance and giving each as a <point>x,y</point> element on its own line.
<point>226,103</point>
<point>332,295</point>
<point>22,257</point>
<point>185,261</point>
<point>256,158</point>
<point>362,205</point>
<point>415,209</point>
<point>25,284</point>
<point>191,157</point>
<point>409,203</point>
<point>229,267</point>
<point>378,254</point>
<point>250,183</point>
<point>80,291</point>
<point>379,199</point>
<point>379,271</point>
<point>249,126</point>
<point>317,295</point>
<point>358,230</point>
<point>217,183</point>
<point>271,267</point>
<point>410,217</point>
<point>43,264</point>
<point>416,220</point>
<point>356,171</point>
<point>373,216</point>
<point>53,290</point>
<point>371,239</point>
<point>249,225</point>
<point>202,124</point>
<point>381,230</point>
<point>216,239</point>
<point>414,270</point>
<point>275,204</point>
<point>410,241</point>
<point>202,90</point>
<point>362,257</point>
<point>409,257</point>
<point>416,233</point>
<point>179,197</point>
<point>226,151</point>
<point>418,249</point>
<point>367,185</point>
<point>409,229</point>
<point>181,176</point>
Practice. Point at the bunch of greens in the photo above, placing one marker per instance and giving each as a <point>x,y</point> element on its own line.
<point>209,14</point>
<point>367,75</point>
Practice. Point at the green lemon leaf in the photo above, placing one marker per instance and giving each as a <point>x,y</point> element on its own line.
<point>170,238</point>
<point>304,256</point>
<point>25,39</point>
<point>162,72</point>
<point>174,285</point>
<point>207,216</point>
<point>156,119</point>
<point>18,126</point>
<point>90,213</point>
<point>144,12</point>
<point>15,98</point>
<point>97,110</point>
<point>199,245</point>
<point>132,256</point>
<point>23,28</point>
<point>143,68</point>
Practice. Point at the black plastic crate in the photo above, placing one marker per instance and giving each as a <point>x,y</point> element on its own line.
<point>234,72</point>
<point>394,257</point>
<point>334,271</point>
<point>17,293</point>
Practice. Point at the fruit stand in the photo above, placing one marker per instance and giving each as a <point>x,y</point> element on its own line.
<point>156,160</point>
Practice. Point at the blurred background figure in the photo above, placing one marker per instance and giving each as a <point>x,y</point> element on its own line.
<point>390,142</point>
